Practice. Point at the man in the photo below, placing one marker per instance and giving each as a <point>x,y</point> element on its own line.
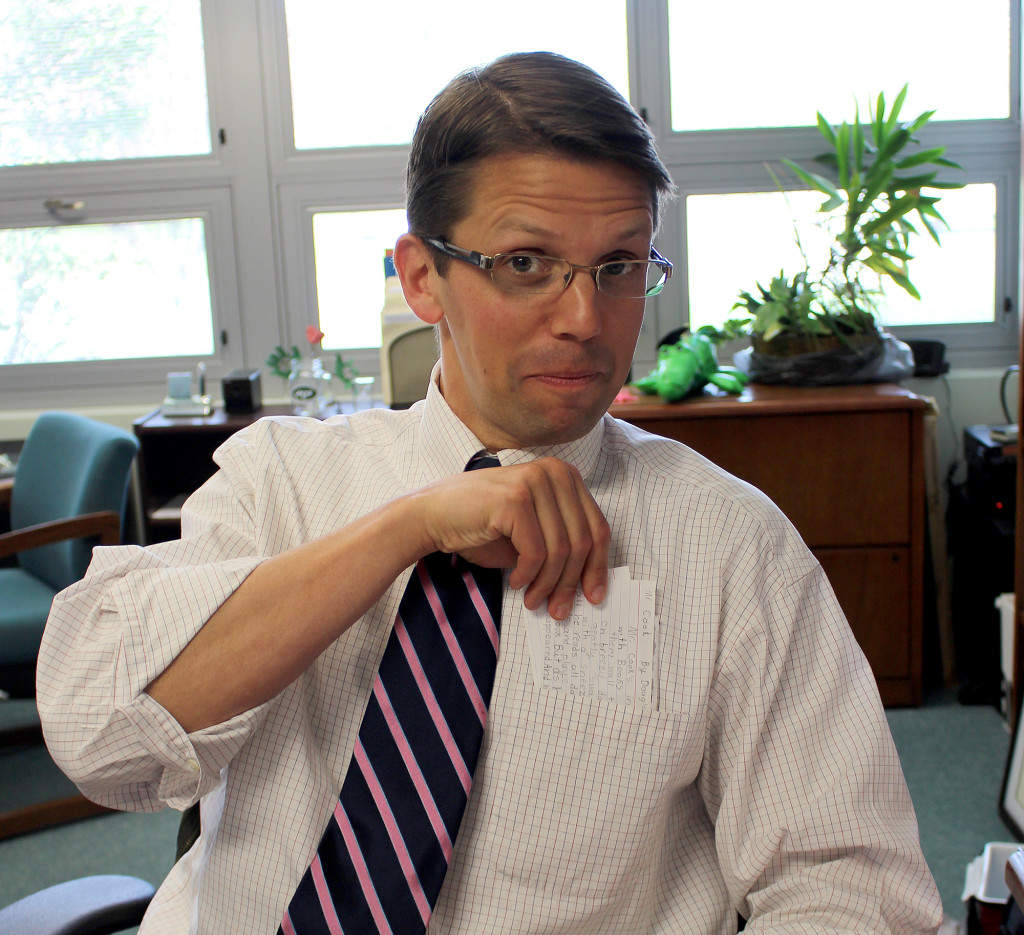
<point>234,666</point>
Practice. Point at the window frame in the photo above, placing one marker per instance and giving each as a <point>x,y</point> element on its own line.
<point>212,205</point>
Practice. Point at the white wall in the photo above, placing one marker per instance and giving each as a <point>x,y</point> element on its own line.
<point>965,397</point>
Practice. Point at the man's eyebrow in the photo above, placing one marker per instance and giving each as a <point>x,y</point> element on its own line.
<point>516,226</point>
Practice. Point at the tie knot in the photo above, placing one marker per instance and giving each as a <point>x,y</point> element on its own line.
<point>482,460</point>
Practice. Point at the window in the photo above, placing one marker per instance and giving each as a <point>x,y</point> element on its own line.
<point>354,135</point>
<point>399,61</point>
<point>762,65</point>
<point>349,253</point>
<point>89,80</point>
<point>115,239</point>
<point>725,138</point>
<point>165,165</point>
<point>746,238</point>
<point>71,293</point>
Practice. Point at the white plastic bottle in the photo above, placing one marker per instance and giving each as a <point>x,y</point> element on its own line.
<point>396,318</point>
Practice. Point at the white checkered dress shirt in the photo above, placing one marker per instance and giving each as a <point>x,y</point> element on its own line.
<point>767,784</point>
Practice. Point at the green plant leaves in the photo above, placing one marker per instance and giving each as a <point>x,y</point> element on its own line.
<point>882,176</point>
<point>921,157</point>
<point>819,182</point>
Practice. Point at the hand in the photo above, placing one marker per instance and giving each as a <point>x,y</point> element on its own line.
<point>538,519</point>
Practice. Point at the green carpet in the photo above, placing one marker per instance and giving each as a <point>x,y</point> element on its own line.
<point>953,757</point>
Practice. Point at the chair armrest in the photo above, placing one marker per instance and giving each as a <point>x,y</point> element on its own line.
<point>80,907</point>
<point>105,524</point>
<point>1015,876</point>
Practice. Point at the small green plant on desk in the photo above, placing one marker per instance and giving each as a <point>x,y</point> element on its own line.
<point>281,362</point>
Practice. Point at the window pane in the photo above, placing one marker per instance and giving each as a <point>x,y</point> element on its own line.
<point>362,74</point>
<point>737,240</point>
<point>104,292</point>
<point>84,80</point>
<point>795,57</point>
<point>957,281</point>
<point>349,250</point>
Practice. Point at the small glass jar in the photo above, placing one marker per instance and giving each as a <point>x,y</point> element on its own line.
<point>309,387</point>
<point>362,393</point>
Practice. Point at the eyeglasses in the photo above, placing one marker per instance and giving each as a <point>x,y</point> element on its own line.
<point>535,274</point>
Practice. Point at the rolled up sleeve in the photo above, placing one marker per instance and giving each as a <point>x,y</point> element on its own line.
<point>112,633</point>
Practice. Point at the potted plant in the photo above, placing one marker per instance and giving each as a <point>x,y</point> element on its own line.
<point>879,186</point>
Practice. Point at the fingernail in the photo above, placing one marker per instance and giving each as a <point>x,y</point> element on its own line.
<point>599,593</point>
<point>560,612</point>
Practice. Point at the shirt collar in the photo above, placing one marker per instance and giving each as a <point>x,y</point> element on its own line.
<point>448,444</point>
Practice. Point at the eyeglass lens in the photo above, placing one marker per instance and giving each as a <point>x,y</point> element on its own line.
<point>531,274</point>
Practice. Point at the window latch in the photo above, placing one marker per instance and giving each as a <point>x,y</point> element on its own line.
<point>59,208</point>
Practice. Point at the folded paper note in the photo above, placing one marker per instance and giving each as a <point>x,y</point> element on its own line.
<point>605,650</point>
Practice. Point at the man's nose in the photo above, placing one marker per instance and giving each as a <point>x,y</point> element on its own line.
<point>577,308</point>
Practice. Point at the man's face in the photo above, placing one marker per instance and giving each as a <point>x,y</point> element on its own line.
<point>523,371</point>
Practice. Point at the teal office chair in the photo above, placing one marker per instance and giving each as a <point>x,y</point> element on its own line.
<point>70,492</point>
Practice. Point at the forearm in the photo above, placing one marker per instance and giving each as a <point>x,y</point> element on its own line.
<point>284,615</point>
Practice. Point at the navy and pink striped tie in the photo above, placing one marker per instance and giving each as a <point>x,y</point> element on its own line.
<point>384,855</point>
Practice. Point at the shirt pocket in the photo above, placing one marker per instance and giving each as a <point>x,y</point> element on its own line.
<point>580,788</point>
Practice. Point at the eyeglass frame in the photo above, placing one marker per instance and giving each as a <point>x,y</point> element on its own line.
<point>481,261</point>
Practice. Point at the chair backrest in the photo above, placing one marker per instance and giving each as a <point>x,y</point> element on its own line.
<point>69,465</point>
<point>411,357</point>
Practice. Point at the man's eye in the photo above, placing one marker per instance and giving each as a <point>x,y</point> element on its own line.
<point>524,264</point>
<point>619,267</point>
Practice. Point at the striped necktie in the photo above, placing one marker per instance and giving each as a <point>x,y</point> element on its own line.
<point>384,855</point>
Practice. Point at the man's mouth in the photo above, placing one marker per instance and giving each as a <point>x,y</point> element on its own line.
<point>567,378</point>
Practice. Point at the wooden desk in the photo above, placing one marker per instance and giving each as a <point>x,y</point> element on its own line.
<point>846,465</point>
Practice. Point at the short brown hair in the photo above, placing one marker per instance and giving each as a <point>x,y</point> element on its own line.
<point>531,102</point>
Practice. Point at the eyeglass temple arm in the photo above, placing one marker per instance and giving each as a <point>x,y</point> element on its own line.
<point>658,258</point>
<point>470,256</point>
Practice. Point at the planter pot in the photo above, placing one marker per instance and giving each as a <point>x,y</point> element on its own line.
<point>795,345</point>
<point>826,360</point>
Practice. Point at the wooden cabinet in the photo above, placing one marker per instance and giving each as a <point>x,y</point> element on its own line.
<point>176,458</point>
<point>846,465</point>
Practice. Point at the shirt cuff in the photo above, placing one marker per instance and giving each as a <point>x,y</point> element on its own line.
<point>190,764</point>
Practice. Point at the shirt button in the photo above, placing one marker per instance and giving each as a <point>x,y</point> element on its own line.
<point>192,765</point>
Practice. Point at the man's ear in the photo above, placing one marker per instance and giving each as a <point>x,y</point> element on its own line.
<point>415,267</point>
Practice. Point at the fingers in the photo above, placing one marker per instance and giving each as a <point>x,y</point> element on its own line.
<point>595,567</point>
<point>575,542</point>
<point>539,519</point>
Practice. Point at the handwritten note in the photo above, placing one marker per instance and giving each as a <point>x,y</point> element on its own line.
<point>606,650</point>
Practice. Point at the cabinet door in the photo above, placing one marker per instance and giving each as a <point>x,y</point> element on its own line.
<point>843,478</point>
<point>873,588</point>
